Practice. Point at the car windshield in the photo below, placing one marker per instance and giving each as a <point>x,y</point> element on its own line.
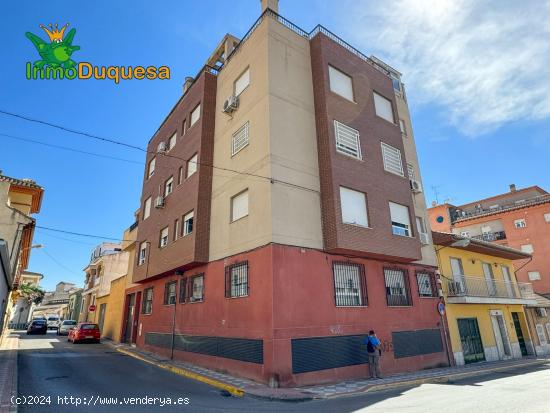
<point>53,318</point>
<point>89,327</point>
<point>69,323</point>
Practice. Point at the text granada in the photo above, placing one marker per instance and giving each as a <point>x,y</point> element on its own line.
<point>85,70</point>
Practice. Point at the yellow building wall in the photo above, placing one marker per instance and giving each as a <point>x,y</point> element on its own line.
<point>114,309</point>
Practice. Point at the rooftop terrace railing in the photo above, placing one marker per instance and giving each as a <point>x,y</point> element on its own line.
<point>460,215</point>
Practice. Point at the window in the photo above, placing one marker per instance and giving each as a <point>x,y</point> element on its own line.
<point>547,217</point>
<point>410,171</point>
<point>240,139</point>
<point>426,284</point>
<point>340,83</point>
<point>392,159</point>
<point>163,241</point>
<point>184,126</point>
<point>192,165</point>
<point>147,208</point>
<point>239,206</point>
<point>397,287</point>
<point>172,141</point>
<point>196,288</point>
<point>142,253</point>
<point>176,229</point>
<point>383,107</point>
<point>180,175</point>
<point>183,290</point>
<point>170,293</point>
<point>188,223</point>
<point>147,305</point>
<point>354,207</point>
<point>533,275</point>
<point>347,140</point>
<point>350,288</point>
<point>236,280</point>
<point>403,128</point>
<point>422,231</point>
<point>242,82</point>
<point>169,186</point>
<point>528,248</point>
<point>520,223</point>
<point>541,335</point>
<point>400,221</point>
<point>195,115</point>
<point>151,170</point>
<point>465,234</point>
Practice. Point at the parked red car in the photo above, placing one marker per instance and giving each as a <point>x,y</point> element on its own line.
<point>84,332</point>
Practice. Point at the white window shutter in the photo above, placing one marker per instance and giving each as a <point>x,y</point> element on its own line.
<point>347,140</point>
<point>242,82</point>
<point>240,139</point>
<point>239,206</point>
<point>340,83</point>
<point>383,107</point>
<point>354,207</point>
<point>392,159</point>
<point>400,213</point>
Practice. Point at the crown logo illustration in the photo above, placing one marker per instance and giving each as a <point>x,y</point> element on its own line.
<point>54,33</point>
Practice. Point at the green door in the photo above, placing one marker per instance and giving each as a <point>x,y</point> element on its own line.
<point>519,333</point>
<point>472,347</point>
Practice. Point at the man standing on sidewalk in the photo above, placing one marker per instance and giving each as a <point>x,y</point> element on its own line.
<point>373,352</point>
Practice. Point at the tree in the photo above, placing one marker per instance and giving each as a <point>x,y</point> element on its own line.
<point>31,293</point>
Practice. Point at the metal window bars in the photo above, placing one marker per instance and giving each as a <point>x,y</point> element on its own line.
<point>398,292</point>
<point>350,287</point>
<point>170,293</point>
<point>426,283</point>
<point>236,280</point>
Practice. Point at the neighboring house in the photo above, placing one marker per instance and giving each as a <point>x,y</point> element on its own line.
<point>519,219</point>
<point>538,316</point>
<point>75,304</point>
<point>108,263</point>
<point>484,301</point>
<point>279,272</point>
<point>55,302</point>
<point>23,309</point>
<point>19,199</point>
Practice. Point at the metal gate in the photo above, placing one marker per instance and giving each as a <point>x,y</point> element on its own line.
<point>472,347</point>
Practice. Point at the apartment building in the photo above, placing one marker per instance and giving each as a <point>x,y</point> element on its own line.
<point>20,199</point>
<point>282,216</point>
<point>519,219</point>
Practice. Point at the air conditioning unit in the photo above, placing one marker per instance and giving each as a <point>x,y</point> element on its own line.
<point>416,186</point>
<point>424,240</point>
<point>161,148</point>
<point>159,202</point>
<point>541,312</point>
<point>231,104</point>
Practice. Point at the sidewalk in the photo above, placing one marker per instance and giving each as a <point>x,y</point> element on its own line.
<point>8,371</point>
<point>239,386</point>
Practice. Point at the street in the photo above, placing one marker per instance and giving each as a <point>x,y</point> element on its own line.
<point>96,373</point>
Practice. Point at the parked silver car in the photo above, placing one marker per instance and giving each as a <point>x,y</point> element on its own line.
<point>65,326</point>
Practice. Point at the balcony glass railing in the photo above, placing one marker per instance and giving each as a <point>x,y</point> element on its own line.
<point>482,287</point>
<point>490,236</point>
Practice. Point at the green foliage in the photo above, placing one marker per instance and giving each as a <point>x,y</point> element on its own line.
<point>31,293</point>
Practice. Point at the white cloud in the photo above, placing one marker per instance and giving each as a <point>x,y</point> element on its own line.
<point>486,62</point>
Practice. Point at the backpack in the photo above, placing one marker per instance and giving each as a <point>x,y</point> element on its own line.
<point>370,346</point>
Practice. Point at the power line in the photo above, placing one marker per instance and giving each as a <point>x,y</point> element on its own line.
<point>65,239</point>
<point>80,234</point>
<point>69,149</point>
<point>51,257</point>
<point>113,141</point>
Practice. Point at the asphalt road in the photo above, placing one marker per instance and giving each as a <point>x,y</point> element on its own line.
<point>96,374</point>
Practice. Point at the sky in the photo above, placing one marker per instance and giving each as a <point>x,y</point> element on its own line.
<point>477,75</point>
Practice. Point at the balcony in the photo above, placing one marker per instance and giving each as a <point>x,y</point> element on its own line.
<point>479,290</point>
<point>460,215</point>
<point>490,236</point>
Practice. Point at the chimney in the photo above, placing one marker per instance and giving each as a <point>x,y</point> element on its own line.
<point>512,187</point>
<point>188,82</point>
<point>271,4</point>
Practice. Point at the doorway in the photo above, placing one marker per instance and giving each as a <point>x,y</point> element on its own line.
<point>501,335</point>
<point>131,300</point>
<point>101,321</point>
<point>519,334</point>
<point>470,338</point>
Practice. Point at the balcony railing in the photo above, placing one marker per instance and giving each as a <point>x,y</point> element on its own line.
<point>458,215</point>
<point>482,287</point>
<point>490,236</point>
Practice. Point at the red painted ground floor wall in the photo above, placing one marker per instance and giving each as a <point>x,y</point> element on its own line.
<point>304,338</point>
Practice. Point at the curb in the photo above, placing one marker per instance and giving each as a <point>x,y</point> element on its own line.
<point>434,380</point>
<point>235,391</point>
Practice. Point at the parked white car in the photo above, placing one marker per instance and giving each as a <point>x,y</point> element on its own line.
<point>65,326</point>
<point>53,322</point>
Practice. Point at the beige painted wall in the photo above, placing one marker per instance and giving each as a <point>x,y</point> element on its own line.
<point>278,103</point>
<point>419,200</point>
